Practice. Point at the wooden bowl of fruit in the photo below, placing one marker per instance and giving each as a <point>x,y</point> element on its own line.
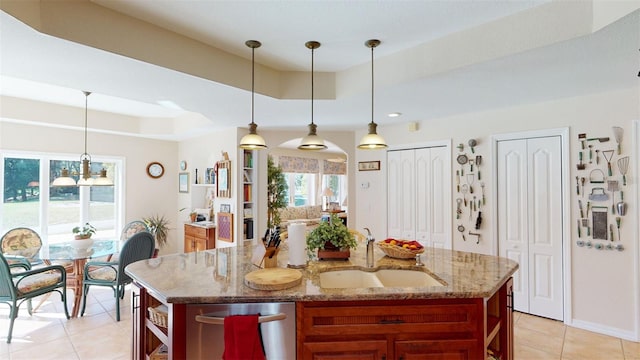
<point>400,249</point>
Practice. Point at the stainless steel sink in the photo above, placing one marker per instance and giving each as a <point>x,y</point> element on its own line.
<point>349,279</point>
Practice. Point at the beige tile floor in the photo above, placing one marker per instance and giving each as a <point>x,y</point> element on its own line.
<point>97,335</point>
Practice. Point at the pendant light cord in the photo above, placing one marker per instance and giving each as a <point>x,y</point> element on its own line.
<point>86,110</point>
<point>312,51</point>
<point>253,77</point>
<point>372,86</point>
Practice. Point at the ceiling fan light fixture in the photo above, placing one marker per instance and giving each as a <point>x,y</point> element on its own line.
<point>253,141</point>
<point>372,141</point>
<point>312,141</point>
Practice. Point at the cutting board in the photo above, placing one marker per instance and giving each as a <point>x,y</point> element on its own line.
<point>273,278</point>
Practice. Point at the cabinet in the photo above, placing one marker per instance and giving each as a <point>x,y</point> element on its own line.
<point>407,329</point>
<point>248,194</point>
<point>147,336</point>
<point>199,238</point>
<point>419,189</point>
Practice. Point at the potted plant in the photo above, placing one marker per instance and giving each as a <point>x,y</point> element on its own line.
<point>331,239</point>
<point>84,232</point>
<point>276,195</point>
<point>158,227</point>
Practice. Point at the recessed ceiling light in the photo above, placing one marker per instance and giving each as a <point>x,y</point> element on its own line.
<point>394,114</point>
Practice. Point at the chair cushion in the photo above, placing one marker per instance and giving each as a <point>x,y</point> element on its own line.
<point>102,273</point>
<point>37,281</point>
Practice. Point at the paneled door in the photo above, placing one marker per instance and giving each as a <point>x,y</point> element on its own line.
<point>419,183</point>
<point>530,221</point>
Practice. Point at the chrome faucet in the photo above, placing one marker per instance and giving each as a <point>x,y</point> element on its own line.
<point>370,241</point>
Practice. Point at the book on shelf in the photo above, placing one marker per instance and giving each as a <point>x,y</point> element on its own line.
<point>247,212</point>
<point>247,192</point>
<point>246,176</point>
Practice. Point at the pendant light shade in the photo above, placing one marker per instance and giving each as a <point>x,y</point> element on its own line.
<point>64,179</point>
<point>312,141</point>
<point>372,141</point>
<point>252,141</point>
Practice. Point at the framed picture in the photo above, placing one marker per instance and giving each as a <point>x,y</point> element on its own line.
<point>223,178</point>
<point>183,182</point>
<point>210,176</point>
<point>225,208</point>
<point>225,227</point>
<point>368,165</point>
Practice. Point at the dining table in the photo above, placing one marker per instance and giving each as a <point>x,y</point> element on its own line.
<point>74,258</point>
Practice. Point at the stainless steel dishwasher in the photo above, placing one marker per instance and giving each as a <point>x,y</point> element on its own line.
<point>205,329</point>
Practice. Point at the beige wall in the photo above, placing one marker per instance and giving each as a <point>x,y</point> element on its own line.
<point>143,195</point>
<point>604,285</point>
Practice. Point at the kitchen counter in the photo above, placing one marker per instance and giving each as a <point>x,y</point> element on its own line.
<point>217,276</point>
<point>470,315</point>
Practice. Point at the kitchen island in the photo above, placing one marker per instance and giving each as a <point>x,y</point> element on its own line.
<point>464,317</point>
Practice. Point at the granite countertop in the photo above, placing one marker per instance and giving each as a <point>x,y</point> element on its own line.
<point>217,276</point>
<point>202,224</point>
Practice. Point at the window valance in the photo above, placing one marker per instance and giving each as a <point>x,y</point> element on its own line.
<point>294,164</point>
<point>334,168</point>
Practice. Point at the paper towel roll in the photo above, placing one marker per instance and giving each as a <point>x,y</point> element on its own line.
<point>297,244</point>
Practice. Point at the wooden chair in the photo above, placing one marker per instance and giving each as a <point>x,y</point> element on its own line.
<point>16,288</point>
<point>111,273</point>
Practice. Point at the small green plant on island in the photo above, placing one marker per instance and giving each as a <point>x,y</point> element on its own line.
<point>332,231</point>
<point>84,232</point>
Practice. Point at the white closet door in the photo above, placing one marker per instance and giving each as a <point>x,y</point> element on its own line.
<point>407,194</point>
<point>394,187</point>
<point>530,221</point>
<point>545,227</point>
<point>433,190</point>
<point>512,214</point>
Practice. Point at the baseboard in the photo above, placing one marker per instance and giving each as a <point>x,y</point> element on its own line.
<point>605,330</point>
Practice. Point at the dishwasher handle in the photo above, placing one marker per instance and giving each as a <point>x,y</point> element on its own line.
<point>216,320</point>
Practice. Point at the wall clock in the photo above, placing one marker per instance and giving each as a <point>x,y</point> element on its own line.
<point>155,170</point>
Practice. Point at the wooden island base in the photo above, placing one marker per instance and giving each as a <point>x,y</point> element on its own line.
<point>407,329</point>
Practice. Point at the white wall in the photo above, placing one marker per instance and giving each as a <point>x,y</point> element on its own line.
<point>603,282</point>
<point>201,153</point>
<point>143,195</point>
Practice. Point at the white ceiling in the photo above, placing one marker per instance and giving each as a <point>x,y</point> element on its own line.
<point>45,68</point>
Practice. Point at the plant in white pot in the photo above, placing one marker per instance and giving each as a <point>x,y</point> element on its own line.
<point>331,239</point>
<point>83,232</point>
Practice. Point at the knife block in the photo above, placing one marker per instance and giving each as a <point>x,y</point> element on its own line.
<point>270,259</point>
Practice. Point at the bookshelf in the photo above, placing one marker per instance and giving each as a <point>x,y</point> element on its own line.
<point>248,194</point>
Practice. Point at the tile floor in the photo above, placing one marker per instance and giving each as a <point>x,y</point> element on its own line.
<point>47,335</point>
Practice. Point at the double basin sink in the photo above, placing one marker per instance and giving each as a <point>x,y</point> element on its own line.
<point>357,278</point>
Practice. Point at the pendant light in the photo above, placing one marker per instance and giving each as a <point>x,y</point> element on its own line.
<point>252,141</point>
<point>372,141</point>
<point>312,141</point>
<point>85,160</point>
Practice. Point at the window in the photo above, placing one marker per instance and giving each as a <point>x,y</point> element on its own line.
<point>303,186</point>
<point>30,201</point>
<point>338,185</point>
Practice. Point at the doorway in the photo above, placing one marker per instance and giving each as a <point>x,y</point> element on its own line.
<point>530,188</point>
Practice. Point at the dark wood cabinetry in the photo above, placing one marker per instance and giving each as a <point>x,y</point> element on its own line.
<point>198,238</point>
<point>147,336</point>
<point>407,329</point>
